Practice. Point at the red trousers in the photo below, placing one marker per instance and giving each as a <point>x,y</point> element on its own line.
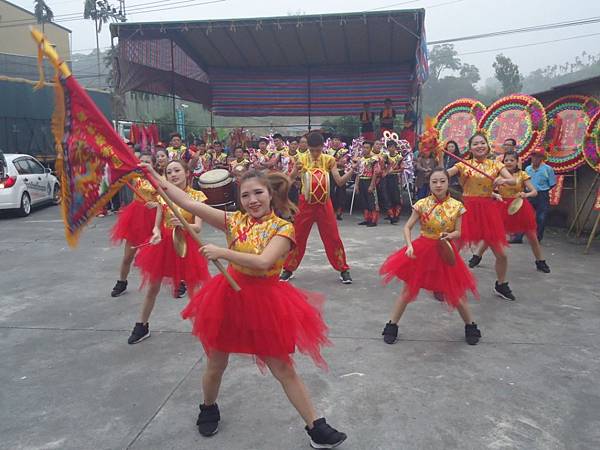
<point>323,215</point>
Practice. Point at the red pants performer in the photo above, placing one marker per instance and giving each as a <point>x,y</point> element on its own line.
<point>316,167</point>
<point>324,217</point>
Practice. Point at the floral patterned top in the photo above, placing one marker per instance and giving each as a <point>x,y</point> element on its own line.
<point>323,162</point>
<point>437,216</point>
<point>248,235</point>
<point>475,184</point>
<point>507,191</point>
<point>188,216</point>
<point>369,166</point>
<point>394,163</point>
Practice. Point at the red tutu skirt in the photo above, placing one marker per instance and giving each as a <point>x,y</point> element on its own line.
<point>134,224</point>
<point>482,223</point>
<point>428,271</point>
<point>268,318</point>
<point>523,221</point>
<point>159,263</point>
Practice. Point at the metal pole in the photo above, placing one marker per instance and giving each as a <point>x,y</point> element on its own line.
<point>309,98</point>
<point>173,83</point>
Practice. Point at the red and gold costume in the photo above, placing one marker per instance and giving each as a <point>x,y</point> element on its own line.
<point>523,221</point>
<point>203,164</point>
<point>267,318</point>
<point>369,167</point>
<point>136,221</point>
<point>366,125</point>
<point>177,152</point>
<point>263,158</point>
<point>428,270</point>
<point>220,161</point>
<point>483,221</point>
<point>391,184</point>
<point>322,214</point>
<point>237,167</point>
<point>160,262</point>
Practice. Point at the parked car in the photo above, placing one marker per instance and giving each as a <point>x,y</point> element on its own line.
<point>25,182</point>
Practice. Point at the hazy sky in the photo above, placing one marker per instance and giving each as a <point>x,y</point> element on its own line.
<point>444,19</point>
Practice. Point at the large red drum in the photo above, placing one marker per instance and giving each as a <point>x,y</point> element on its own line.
<point>315,186</point>
<point>217,185</point>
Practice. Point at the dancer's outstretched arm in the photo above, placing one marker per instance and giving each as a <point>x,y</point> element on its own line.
<point>213,216</point>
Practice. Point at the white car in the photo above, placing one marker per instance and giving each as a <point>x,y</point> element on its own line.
<point>25,182</point>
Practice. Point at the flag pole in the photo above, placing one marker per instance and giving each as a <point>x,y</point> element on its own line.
<point>46,48</point>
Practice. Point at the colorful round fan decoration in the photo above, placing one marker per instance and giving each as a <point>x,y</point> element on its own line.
<point>458,120</point>
<point>567,123</point>
<point>520,117</point>
<point>591,144</point>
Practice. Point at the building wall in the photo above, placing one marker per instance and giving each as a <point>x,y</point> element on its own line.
<point>15,38</point>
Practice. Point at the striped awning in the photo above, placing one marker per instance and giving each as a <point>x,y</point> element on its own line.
<point>317,65</point>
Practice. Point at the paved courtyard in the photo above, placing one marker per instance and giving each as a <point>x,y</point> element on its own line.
<point>70,381</point>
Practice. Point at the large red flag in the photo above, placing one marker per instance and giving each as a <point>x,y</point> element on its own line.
<point>93,162</point>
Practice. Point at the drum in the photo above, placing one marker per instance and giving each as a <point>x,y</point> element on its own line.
<point>217,185</point>
<point>315,186</point>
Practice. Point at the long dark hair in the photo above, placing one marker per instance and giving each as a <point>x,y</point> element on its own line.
<point>183,165</point>
<point>278,185</point>
<point>457,151</point>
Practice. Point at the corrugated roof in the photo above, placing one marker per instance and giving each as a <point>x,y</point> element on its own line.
<point>382,37</point>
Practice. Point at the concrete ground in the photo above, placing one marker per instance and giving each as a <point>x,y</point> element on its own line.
<point>70,381</point>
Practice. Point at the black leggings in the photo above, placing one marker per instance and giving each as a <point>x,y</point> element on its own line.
<point>367,199</point>
<point>392,190</point>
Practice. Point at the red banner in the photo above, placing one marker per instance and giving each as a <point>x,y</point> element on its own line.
<point>92,160</point>
<point>556,191</point>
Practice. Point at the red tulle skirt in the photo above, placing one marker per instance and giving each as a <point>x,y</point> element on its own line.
<point>160,263</point>
<point>428,271</point>
<point>482,223</point>
<point>134,224</point>
<point>268,318</point>
<point>521,222</point>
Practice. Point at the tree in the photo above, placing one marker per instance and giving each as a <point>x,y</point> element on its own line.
<point>344,125</point>
<point>43,13</point>
<point>507,74</point>
<point>470,73</point>
<point>443,57</point>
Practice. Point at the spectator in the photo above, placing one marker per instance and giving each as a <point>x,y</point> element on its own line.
<point>424,165</point>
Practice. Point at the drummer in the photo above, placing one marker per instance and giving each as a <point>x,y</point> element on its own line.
<point>220,157</point>
<point>265,159</point>
<point>239,164</point>
<point>321,213</point>
<point>200,163</point>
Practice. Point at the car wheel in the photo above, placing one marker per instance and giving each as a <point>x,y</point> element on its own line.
<point>56,194</point>
<point>25,208</point>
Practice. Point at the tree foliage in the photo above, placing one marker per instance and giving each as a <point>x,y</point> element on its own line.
<point>443,57</point>
<point>42,11</point>
<point>507,74</point>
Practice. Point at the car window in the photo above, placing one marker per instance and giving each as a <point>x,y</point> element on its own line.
<point>3,166</point>
<point>22,166</point>
<point>35,166</point>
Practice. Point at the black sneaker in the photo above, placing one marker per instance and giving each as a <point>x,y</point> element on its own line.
<point>181,290</point>
<point>286,275</point>
<point>339,217</point>
<point>515,240</point>
<point>345,277</point>
<point>474,261</point>
<point>502,290</point>
<point>472,334</point>
<point>439,296</point>
<point>324,436</point>
<point>119,288</point>
<point>542,266</point>
<point>139,333</point>
<point>371,224</point>
<point>208,420</point>
<point>394,220</point>
<point>390,333</point>
<point>364,222</point>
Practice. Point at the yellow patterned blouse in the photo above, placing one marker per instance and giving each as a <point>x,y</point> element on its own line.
<point>145,189</point>
<point>248,235</point>
<point>507,191</point>
<point>323,162</point>
<point>475,184</point>
<point>437,216</point>
<point>188,216</point>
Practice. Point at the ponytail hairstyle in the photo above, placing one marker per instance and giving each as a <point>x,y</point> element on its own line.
<point>512,154</point>
<point>278,186</point>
